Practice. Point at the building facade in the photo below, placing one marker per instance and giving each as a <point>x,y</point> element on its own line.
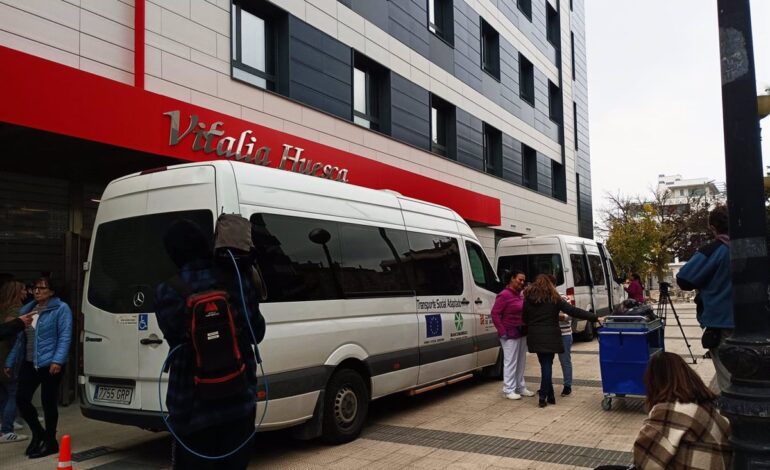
<point>479,105</point>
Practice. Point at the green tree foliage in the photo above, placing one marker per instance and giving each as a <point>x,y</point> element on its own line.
<point>644,236</point>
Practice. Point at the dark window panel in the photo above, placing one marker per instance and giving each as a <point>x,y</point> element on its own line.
<point>526,80</point>
<point>490,50</point>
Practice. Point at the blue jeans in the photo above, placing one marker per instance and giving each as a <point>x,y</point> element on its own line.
<point>546,374</point>
<point>565,359</point>
<point>8,405</point>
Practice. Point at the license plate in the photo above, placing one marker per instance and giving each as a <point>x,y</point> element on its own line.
<point>112,394</point>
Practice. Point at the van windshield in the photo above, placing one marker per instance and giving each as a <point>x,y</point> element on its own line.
<point>532,265</point>
<point>130,260</point>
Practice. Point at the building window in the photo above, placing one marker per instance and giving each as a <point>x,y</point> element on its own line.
<point>529,166</point>
<point>552,25</point>
<point>442,127</point>
<point>572,43</point>
<point>526,80</point>
<point>493,150</point>
<point>554,103</point>
<point>440,19</point>
<point>490,50</point>
<point>575,123</point>
<point>369,81</point>
<point>525,6</point>
<point>558,181</point>
<point>253,44</point>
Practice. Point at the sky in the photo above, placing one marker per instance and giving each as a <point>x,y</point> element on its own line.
<point>654,92</point>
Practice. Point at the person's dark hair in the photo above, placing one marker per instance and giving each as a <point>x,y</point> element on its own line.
<point>668,379</point>
<point>47,281</point>
<point>719,220</point>
<point>510,274</point>
<point>185,241</point>
<point>541,291</point>
<point>636,277</point>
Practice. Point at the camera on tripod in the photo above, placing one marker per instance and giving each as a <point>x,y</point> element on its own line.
<point>664,287</point>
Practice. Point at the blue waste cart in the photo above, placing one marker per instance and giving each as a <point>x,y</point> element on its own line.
<point>626,343</point>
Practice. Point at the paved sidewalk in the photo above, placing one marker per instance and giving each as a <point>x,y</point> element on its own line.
<point>469,425</point>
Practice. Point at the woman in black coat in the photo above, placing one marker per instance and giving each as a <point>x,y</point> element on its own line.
<point>542,304</point>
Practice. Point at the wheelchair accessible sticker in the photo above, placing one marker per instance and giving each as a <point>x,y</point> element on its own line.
<point>143,321</point>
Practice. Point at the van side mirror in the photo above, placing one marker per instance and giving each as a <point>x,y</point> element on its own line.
<point>319,236</point>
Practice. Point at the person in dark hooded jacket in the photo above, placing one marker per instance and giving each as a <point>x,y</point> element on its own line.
<point>542,304</point>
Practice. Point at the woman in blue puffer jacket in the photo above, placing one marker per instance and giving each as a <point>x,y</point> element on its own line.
<point>42,350</point>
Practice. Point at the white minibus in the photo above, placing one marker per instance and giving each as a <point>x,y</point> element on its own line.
<point>394,297</point>
<point>583,268</point>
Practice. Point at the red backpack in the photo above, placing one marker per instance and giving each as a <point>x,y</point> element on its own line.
<point>219,367</point>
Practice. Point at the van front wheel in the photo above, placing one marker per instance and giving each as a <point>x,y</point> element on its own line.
<point>346,406</point>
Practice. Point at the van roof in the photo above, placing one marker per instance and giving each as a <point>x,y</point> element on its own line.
<point>248,174</point>
<point>512,241</point>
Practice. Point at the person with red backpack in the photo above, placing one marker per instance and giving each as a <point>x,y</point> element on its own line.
<point>212,390</point>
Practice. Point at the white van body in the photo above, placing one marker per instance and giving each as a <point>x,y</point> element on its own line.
<point>583,269</point>
<point>397,334</point>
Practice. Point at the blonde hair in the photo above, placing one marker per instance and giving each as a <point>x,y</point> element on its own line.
<point>541,291</point>
<point>10,296</point>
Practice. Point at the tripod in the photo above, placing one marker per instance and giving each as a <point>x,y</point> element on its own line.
<point>663,302</point>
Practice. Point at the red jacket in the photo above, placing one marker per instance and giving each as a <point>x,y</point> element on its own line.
<point>635,291</point>
<point>507,312</point>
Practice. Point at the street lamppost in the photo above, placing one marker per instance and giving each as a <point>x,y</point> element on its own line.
<point>746,401</point>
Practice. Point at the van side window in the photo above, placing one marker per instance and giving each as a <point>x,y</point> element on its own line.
<point>597,272</point>
<point>299,257</point>
<point>483,274</point>
<point>579,270</point>
<point>614,273</point>
<point>435,260</point>
<point>532,265</point>
<point>372,261</point>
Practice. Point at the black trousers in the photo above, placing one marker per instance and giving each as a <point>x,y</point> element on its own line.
<point>216,440</point>
<point>29,379</point>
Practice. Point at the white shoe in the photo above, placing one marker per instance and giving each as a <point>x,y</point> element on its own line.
<point>11,437</point>
<point>17,425</point>
<point>526,393</point>
<point>513,396</point>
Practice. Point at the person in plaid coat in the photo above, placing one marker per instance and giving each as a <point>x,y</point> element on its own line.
<point>684,430</point>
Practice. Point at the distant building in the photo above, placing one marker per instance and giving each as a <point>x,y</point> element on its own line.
<point>677,191</point>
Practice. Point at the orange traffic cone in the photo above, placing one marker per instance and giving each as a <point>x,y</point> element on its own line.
<point>65,455</point>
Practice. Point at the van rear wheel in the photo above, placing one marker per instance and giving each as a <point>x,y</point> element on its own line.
<point>345,408</point>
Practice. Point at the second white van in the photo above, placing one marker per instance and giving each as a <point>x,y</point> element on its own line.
<point>584,271</point>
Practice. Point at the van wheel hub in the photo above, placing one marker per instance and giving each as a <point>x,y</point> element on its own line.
<point>345,406</point>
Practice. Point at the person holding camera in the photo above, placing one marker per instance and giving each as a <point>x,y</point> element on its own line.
<point>709,271</point>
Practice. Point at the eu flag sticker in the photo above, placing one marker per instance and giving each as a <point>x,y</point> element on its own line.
<point>433,325</point>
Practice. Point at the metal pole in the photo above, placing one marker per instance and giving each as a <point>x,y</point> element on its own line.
<point>746,402</point>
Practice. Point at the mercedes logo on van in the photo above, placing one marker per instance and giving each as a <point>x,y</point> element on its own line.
<point>139,299</point>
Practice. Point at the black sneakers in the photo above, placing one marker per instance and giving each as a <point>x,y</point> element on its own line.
<point>566,391</point>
